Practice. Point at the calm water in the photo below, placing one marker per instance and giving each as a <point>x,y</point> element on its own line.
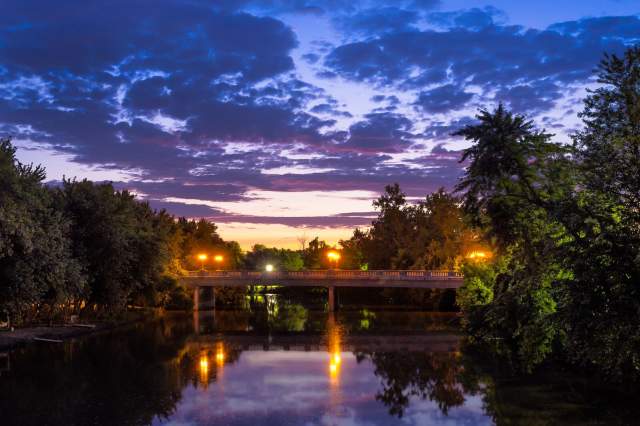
<point>276,362</point>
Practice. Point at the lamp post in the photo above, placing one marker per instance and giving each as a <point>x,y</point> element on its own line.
<point>202,258</point>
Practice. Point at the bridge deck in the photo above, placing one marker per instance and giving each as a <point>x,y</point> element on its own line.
<point>326,278</point>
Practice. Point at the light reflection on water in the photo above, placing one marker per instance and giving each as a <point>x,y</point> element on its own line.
<point>317,378</point>
<point>288,366</point>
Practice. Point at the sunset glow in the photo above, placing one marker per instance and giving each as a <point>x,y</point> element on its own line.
<point>300,140</point>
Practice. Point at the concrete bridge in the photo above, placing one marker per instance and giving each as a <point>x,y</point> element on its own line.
<point>329,279</point>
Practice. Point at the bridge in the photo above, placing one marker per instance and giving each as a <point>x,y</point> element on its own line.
<point>329,279</point>
<point>424,341</point>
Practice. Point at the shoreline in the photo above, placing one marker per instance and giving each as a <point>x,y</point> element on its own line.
<point>60,333</point>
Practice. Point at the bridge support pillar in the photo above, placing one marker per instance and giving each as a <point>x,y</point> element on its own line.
<point>196,321</point>
<point>196,298</point>
<point>332,298</point>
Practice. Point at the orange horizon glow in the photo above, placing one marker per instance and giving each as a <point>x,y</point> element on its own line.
<point>278,235</point>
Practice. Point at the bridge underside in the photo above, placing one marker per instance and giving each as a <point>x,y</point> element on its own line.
<point>430,342</point>
<point>382,283</point>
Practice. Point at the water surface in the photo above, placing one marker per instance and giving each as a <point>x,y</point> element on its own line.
<point>276,362</point>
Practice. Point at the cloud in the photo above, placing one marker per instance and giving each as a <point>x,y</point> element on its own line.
<point>530,98</point>
<point>438,130</point>
<point>490,56</point>
<point>161,105</point>
<point>442,99</point>
<point>205,101</point>
<point>378,20</point>
<point>471,19</point>
<point>379,132</point>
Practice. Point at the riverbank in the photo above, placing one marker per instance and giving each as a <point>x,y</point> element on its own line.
<point>62,332</point>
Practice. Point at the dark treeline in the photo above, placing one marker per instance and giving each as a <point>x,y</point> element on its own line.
<point>564,222</point>
<point>430,234</point>
<point>85,248</point>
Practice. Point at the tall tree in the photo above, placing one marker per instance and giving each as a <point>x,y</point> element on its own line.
<point>37,269</point>
<point>507,192</point>
<point>603,306</point>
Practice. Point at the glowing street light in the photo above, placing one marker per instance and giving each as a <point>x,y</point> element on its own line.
<point>268,267</point>
<point>333,257</point>
<point>218,258</point>
<point>479,255</point>
<point>202,258</point>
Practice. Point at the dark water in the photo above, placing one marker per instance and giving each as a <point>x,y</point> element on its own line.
<point>276,362</point>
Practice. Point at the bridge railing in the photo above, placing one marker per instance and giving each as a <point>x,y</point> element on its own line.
<point>333,274</point>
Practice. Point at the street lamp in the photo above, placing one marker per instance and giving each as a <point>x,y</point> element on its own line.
<point>479,255</point>
<point>218,259</point>
<point>334,257</point>
<point>202,258</point>
<point>268,267</point>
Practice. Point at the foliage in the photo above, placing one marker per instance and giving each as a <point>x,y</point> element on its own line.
<point>37,270</point>
<point>314,254</point>
<point>479,282</point>
<point>566,227</point>
<point>601,310</point>
<point>430,234</point>
<point>281,259</point>
<point>86,247</point>
<point>509,301</point>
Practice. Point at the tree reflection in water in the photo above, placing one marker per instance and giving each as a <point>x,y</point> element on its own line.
<point>550,396</point>
<point>111,378</point>
<point>404,375</point>
<point>141,374</point>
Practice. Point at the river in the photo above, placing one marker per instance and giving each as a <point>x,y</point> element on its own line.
<point>275,361</point>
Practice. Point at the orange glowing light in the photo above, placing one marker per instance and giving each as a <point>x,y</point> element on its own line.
<point>218,258</point>
<point>333,256</point>
<point>220,357</point>
<point>202,257</point>
<point>479,255</point>
<point>334,367</point>
<point>204,365</point>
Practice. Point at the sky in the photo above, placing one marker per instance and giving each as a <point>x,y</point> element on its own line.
<point>281,119</point>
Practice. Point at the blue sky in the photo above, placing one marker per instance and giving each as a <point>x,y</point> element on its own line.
<point>282,118</point>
